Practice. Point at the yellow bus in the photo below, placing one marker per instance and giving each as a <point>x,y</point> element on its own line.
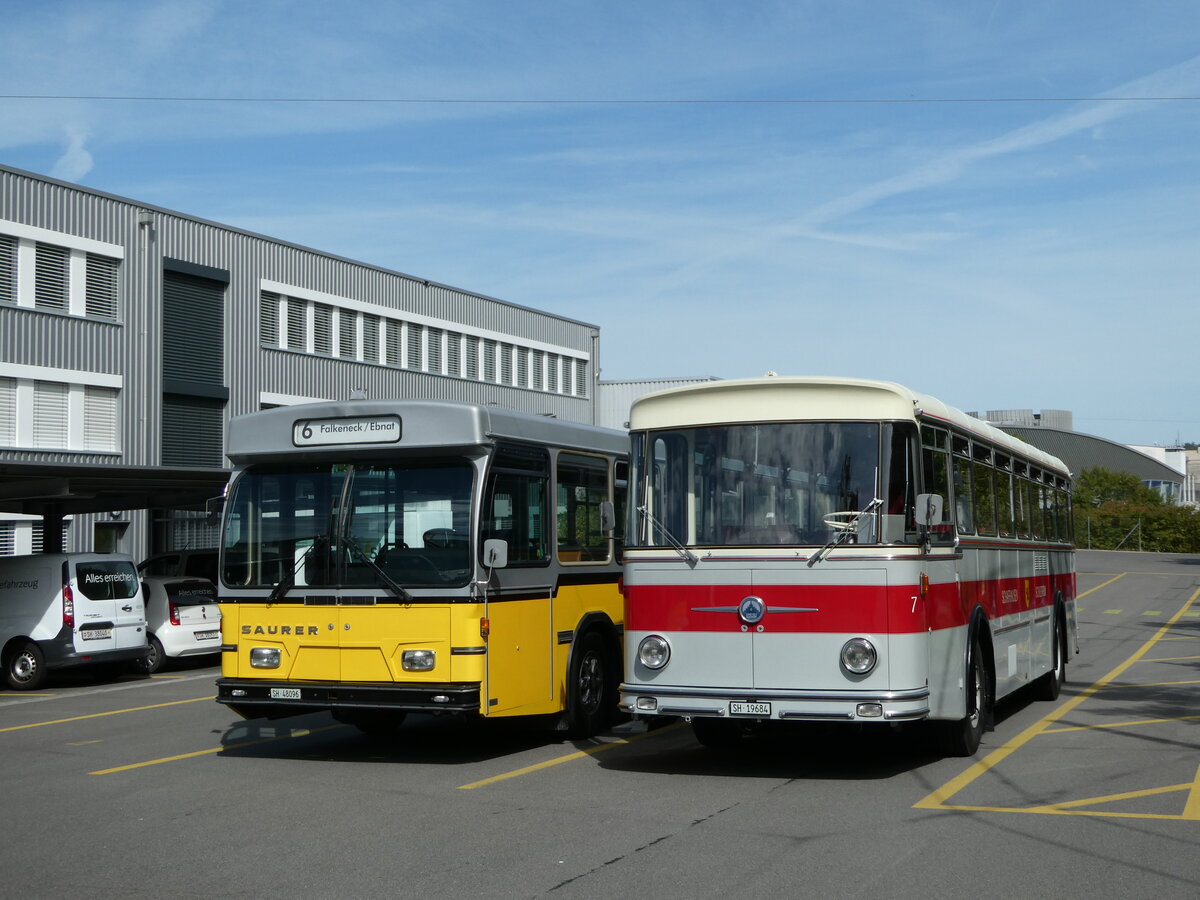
<point>380,558</point>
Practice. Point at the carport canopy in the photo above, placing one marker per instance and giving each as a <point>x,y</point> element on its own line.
<point>55,491</point>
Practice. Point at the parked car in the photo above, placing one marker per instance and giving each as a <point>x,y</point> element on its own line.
<point>197,563</point>
<point>182,619</point>
<point>60,610</point>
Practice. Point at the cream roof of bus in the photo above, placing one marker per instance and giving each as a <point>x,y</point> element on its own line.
<point>780,398</point>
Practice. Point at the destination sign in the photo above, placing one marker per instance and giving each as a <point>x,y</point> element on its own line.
<point>355,430</point>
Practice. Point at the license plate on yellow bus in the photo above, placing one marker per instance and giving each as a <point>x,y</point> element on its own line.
<point>285,693</point>
<point>740,708</point>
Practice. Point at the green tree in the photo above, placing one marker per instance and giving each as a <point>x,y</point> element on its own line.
<point>1098,486</point>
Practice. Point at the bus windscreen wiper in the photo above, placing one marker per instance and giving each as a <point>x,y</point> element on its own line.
<point>844,531</point>
<point>288,581</point>
<point>683,551</point>
<point>384,577</point>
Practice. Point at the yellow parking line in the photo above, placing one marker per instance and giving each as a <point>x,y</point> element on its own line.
<point>1192,809</point>
<point>1128,724</point>
<point>1102,584</point>
<point>937,798</point>
<point>579,754</point>
<point>113,712</point>
<point>303,732</point>
<point>1112,798</point>
<point>1146,684</point>
<point>1171,659</point>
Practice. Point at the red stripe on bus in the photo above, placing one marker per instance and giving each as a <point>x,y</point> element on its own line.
<point>896,609</point>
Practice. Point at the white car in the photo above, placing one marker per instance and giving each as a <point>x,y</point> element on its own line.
<point>182,618</point>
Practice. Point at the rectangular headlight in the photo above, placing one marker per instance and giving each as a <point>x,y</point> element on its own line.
<point>264,657</point>
<point>417,660</point>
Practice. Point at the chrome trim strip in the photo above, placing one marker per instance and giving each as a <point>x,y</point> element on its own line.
<point>690,711</point>
<point>904,714</point>
<point>468,651</point>
<point>758,694</point>
<point>815,717</point>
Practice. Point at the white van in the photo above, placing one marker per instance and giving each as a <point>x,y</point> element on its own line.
<point>68,609</point>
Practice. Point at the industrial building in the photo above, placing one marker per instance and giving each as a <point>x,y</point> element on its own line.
<point>130,334</point>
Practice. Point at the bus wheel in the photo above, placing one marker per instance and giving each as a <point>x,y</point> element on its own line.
<point>717,734</point>
<point>373,722</point>
<point>962,738</point>
<point>25,669</point>
<point>591,697</point>
<point>1049,685</point>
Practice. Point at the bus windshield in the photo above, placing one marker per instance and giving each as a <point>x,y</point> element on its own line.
<point>766,483</point>
<point>340,525</point>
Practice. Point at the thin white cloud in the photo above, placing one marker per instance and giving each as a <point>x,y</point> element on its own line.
<point>1181,79</point>
<point>75,161</point>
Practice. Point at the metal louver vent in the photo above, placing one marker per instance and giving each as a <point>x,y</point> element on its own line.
<point>268,319</point>
<point>51,270</point>
<point>100,292</point>
<point>8,269</point>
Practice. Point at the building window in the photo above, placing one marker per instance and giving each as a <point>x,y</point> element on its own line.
<point>268,319</point>
<point>454,354</point>
<point>8,269</point>
<point>348,334</point>
<point>52,269</point>
<point>59,272</point>
<point>394,346</point>
<point>322,329</point>
<point>370,338</point>
<point>51,415</point>
<point>8,412</point>
<point>433,350</point>
<point>297,324</point>
<point>99,418</point>
<point>100,291</point>
<point>415,359</point>
<point>50,426</point>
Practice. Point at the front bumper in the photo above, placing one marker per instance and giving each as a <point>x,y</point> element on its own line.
<point>253,699</point>
<point>786,705</point>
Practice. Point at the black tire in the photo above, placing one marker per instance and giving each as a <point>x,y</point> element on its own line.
<point>25,668</point>
<point>155,656</point>
<point>717,734</point>
<point>373,722</point>
<point>962,738</point>
<point>591,688</point>
<point>1050,685</point>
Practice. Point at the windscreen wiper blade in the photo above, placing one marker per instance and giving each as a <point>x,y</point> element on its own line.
<point>289,580</point>
<point>683,551</point>
<point>384,577</point>
<point>844,534</point>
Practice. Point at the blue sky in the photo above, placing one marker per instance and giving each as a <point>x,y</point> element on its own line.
<point>972,198</point>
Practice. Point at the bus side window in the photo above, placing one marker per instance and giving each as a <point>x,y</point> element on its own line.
<point>515,509</point>
<point>582,487</point>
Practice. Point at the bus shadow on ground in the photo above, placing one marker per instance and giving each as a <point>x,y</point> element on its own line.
<point>812,750</point>
<point>422,739</point>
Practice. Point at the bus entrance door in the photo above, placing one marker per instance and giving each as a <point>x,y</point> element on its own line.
<point>520,658</point>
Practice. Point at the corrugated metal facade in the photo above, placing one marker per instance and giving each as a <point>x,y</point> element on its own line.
<point>613,398</point>
<point>548,361</point>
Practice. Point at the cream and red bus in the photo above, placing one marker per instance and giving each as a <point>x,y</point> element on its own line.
<point>380,558</point>
<point>839,550</point>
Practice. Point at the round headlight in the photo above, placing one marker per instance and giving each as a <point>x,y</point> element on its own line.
<point>859,656</point>
<point>654,651</point>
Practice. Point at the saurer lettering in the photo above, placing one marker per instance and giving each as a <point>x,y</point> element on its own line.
<point>297,630</point>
